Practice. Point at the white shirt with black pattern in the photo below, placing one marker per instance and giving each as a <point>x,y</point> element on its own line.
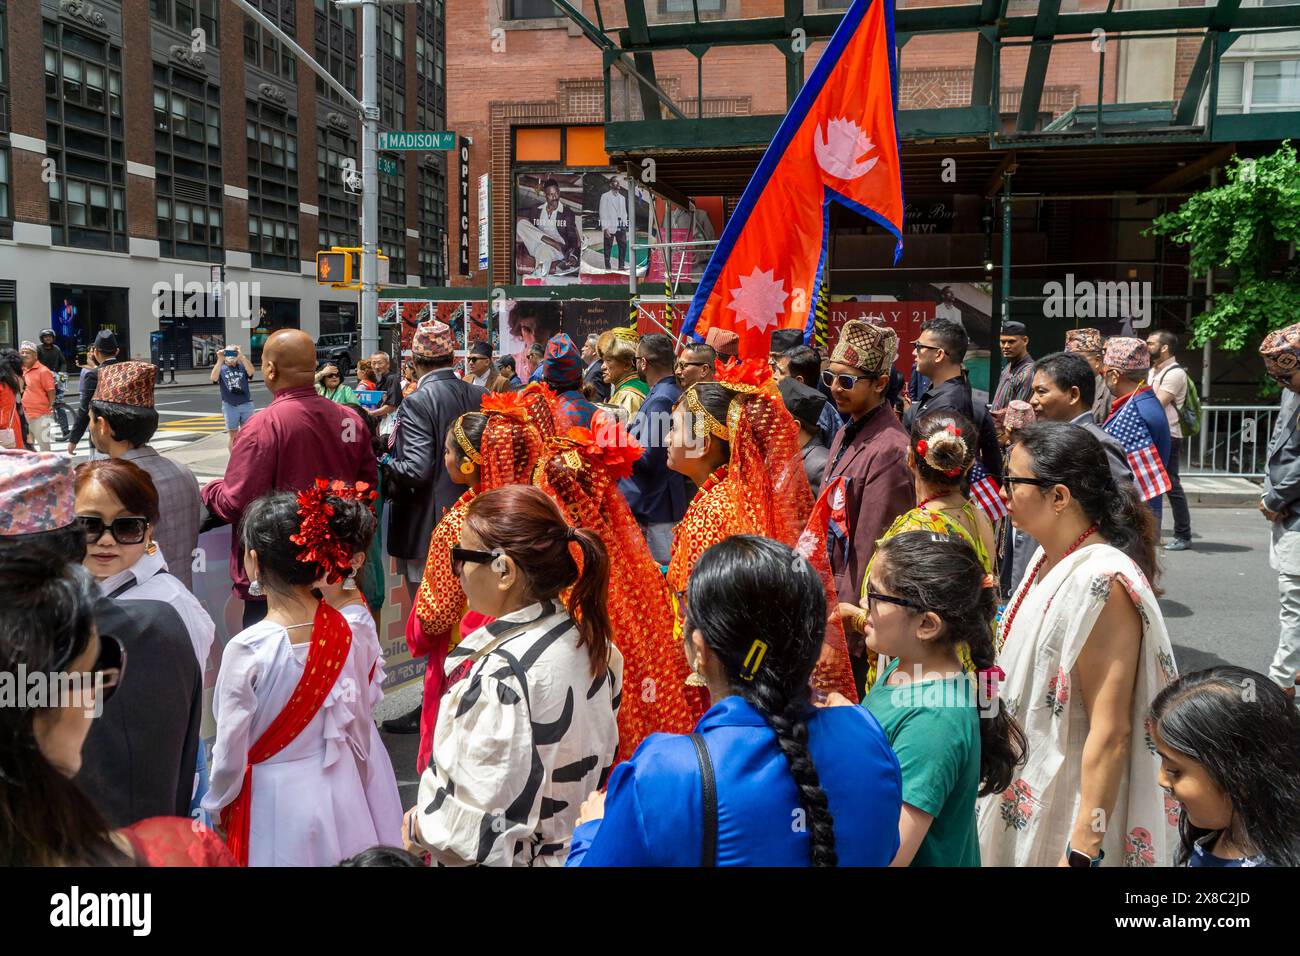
<point>525,732</point>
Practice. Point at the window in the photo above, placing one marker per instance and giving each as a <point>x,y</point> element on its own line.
<point>6,210</point>
<point>339,220</point>
<point>272,140</point>
<point>561,145</point>
<point>264,51</point>
<point>4,62</point>
<point>538,9</point>
<point>187,157</point>
<point>188,15</point>
<point>392,220</point>
<point>336,49</point>
<point>688,6</point>
<point>83,133</point>
<point>1259,86</point>
<point>431,213</point>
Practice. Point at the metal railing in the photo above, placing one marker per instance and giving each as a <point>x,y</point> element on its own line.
<point>1233,441</point>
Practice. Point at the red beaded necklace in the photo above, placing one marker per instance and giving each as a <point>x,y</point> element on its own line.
<point>719,475</point>
<point>925,501</point>
<point>1033,573</point>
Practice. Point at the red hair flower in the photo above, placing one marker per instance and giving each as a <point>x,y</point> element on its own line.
<point>922,448</point>
<point>316,537</point>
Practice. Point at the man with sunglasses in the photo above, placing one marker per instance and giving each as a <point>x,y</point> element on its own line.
<point>938,353</point>
<point>1280,503</point>
<point>139,757</point>
<point>869,452</point>
<point>697,363</point>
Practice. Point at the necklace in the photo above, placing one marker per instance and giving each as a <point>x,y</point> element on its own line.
<point>925,501</point>
<point>1033,573</point>
<point>719,475</point>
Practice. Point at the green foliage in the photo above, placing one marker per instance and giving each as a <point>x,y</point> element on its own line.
<point>1239,229</point>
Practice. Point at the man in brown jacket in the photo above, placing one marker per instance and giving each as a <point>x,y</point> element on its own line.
<point>481,371</point>
<point>869,453</point>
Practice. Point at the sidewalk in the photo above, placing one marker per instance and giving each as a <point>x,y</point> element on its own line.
<point>1221,492</point>
<point>187,379</point>
<point>206,457</point>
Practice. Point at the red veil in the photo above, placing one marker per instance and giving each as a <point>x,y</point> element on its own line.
<point>766,492</point>
<point>580,470</point>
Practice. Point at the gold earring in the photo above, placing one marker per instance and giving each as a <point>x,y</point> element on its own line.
<point>696,679</point>
<point>152,549</point>
<point>467,467</point>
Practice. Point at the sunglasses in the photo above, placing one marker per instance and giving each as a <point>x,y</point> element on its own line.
<point>873,596</point>
<point>918,345</point>
<point>460,556</point>
<point>105,674</point>
<point>1036,482</point>
<point>681,365</point>
<point>845,382</point>
<point>125,530</point>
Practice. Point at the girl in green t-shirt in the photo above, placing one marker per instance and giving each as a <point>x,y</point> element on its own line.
<point>929,607</point>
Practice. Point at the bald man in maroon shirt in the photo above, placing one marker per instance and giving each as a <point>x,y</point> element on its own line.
<point>299,437</point>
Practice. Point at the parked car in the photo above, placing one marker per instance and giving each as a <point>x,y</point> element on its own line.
<point>340,349</point>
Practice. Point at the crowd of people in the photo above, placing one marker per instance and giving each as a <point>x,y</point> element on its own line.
<point>675,608</point>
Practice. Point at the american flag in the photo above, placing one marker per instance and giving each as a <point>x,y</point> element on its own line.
<point>984,490</point>
<point>1149,473</point>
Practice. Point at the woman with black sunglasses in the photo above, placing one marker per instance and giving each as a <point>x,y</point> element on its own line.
<point>1085,650</point>
<point>527,726</point>
<point>117,507</point>
<point>69,671</point>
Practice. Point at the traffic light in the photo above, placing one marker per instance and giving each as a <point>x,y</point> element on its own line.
<point>334,268</point>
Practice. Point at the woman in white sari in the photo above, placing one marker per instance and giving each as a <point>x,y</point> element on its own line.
<point>1083,658</point>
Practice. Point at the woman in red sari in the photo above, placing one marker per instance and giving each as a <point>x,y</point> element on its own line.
<point>735,439</point>
<point>581,471</point>
<point>497,446</point>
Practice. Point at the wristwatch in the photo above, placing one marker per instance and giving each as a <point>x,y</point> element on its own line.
<point>1081,859</point>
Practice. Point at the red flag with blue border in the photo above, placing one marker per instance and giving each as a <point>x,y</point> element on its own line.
<point>839,142</point>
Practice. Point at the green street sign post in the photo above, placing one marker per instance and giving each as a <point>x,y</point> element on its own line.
<point>427,140</point>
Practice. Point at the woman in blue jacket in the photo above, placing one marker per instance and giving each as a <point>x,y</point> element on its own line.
<point>775,781</point>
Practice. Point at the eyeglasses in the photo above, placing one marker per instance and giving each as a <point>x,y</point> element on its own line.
<point>105,674</point>
<point>110,666</point>
<point>845,382</point>
<point>873,596</point>
<point>459,556</point>
<point>1036,482</point>
<point>125,530</point>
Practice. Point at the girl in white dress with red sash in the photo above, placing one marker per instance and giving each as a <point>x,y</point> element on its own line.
<point>286,776</point>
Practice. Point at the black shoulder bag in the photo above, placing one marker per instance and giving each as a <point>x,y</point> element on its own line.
<point>709,797</point>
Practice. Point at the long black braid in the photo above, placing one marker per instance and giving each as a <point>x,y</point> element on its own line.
<point>746,588</point>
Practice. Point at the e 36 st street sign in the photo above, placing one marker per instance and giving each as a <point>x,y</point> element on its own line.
<point>418,140</point>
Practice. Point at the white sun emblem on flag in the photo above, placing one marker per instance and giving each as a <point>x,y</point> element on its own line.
<point>839,145</point>
<point>760,300</point>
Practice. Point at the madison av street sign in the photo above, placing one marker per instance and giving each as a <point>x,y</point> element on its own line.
<point>418,139</point>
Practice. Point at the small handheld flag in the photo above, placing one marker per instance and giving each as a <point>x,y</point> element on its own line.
<point>1149,475</point>
<point>838,142</point>
<point>986,494</point>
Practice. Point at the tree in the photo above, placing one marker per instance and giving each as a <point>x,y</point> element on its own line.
<point>1247,228</point>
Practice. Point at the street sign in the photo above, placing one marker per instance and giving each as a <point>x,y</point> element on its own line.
<point>388,166</point>
<point>421,139</point>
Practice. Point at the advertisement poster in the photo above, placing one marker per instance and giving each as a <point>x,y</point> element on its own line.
<point>971,304</point>
<point>405,314</point>
<point>483,222</point>
<point>521,325</point>
<point>606,239</point>
<point>548,227</point>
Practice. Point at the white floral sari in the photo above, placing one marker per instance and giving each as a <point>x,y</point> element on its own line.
<point>1030,822</point>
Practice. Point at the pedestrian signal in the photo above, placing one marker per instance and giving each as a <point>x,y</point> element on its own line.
<point>334,268</point>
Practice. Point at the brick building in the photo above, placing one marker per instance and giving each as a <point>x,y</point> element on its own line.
<point>141,140</point>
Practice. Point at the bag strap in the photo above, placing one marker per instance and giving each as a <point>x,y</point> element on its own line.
<point>709,793</point>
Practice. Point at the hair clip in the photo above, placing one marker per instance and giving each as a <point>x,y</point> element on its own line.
<point>753,660</point>
<point>989,581</point>
<point>952,429</point>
